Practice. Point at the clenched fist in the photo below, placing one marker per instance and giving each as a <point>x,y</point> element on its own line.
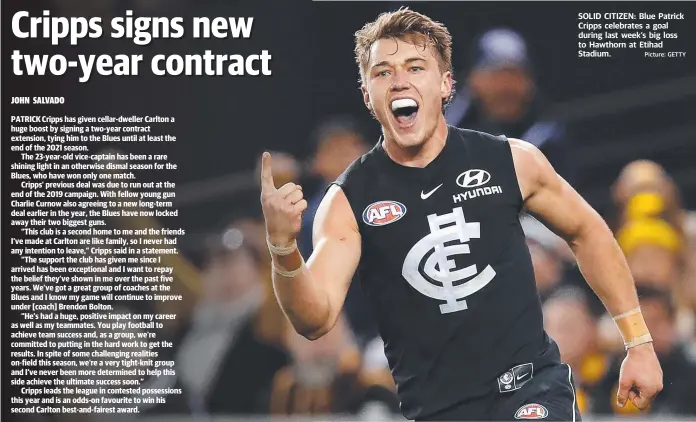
<point>282,208</point>
<point>640,377</point>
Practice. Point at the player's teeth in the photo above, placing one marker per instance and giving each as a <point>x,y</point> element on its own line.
<point>403,102</point>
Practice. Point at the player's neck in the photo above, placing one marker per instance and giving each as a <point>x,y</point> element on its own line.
<point>421,155</point>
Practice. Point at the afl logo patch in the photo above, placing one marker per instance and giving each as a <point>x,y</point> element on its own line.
<point>383,212</point>
<point>531,411</point>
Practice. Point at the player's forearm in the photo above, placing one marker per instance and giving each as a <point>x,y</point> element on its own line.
<point>301,297</point>
<point>604,267</point>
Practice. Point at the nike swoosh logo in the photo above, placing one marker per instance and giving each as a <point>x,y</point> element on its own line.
<point>519,377</point>
<point>427,195</point>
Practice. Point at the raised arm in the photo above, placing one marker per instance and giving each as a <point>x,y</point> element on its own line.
<point>600,260</point>
<point>311,295</point>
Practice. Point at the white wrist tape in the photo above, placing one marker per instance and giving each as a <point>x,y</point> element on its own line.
<point>281,251</point>
<point>628,313</point>
<point>288,274</point>
<point>637,341</point>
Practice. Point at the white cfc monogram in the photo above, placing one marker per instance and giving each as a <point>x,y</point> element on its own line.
<point>441,267</point>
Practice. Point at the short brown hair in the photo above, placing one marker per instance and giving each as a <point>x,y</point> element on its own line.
<point>404,24</point>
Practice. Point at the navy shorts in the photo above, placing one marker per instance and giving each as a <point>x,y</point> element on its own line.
<point>523,394</point>
<point>548,396</point>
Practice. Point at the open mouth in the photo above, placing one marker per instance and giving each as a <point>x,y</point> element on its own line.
<point>405,111</point>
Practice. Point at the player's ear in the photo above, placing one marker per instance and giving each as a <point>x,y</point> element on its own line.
<point>366,97</point>
<point>446,84</point>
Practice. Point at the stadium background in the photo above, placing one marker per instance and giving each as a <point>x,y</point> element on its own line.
<point>617,110</point>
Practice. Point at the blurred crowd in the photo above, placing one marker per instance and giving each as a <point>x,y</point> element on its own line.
<point>658,239</point>
<point>237,354</point>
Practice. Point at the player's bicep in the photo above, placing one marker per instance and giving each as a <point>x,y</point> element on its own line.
<point>548,196</point>
<point>337,246</point>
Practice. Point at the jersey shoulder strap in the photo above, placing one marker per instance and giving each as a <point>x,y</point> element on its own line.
<point>356,179</point>
<point>494,151</point>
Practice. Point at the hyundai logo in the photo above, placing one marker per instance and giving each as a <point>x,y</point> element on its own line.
<point>473,178</point>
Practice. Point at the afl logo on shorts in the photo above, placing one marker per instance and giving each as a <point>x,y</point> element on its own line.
<point>531,411</point>
<point>383,212</point>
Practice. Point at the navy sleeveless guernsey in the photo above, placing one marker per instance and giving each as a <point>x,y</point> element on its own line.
<point>447,273</point>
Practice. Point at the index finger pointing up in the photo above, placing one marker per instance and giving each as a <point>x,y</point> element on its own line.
<point>266,173</point>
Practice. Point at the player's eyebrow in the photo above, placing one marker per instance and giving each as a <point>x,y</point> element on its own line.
<point>408,60</point>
